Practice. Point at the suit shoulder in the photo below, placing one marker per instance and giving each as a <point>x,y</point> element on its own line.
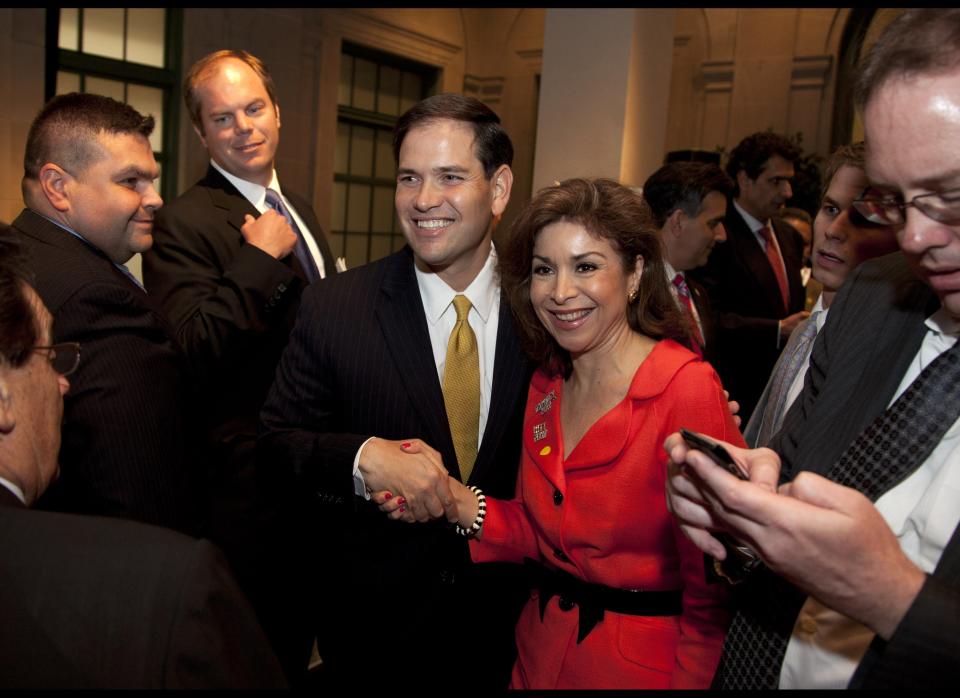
<point>359,282</point>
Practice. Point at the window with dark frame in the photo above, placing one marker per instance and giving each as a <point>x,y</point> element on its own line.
<point>130,54</point>
<point>375,89</point>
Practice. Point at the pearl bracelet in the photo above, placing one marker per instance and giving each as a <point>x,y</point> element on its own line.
<point>481,514</point>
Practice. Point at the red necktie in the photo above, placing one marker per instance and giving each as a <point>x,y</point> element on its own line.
<point>683,292</point>
<point>776,263</point>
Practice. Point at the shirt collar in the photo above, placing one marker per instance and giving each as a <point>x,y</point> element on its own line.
<point>17,492</point>
<point>941,323</point>
<point>255,193</point>
<point>482,291</point>
<point>752,222</point>
<point>671,272</point>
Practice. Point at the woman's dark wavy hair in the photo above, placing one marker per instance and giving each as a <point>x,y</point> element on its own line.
<point>609,211</point>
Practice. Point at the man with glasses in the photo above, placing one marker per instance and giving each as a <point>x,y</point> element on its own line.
<point>128,448</point>
<point>862,531</point>
<point>90,602</point>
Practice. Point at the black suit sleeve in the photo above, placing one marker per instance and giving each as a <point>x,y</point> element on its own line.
<point>300,437</point>
<point>126,448</point>
<point>216,289</point>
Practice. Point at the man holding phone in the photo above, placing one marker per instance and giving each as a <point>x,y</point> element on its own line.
<point>862,536</point>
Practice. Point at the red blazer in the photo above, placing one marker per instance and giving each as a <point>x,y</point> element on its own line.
<point>613,528</point>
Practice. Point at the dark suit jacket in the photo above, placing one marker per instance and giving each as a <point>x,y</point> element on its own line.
<point>127,447</point>
<point>360,364</point>
<point>746,305</point>
<point>874,329</point>
<point>232,305</point>
<point>90,602</point>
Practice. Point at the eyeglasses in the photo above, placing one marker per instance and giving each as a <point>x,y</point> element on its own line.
<point>884,208</point>
<point>63,357</point>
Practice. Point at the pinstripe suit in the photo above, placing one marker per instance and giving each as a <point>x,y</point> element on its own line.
<point>874,329</point>
<point>359,364</point>
<point>127,448</point>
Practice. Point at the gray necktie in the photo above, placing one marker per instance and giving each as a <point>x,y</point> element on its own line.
<point>300,249</point>
<point>791,362</point>
<point>894,445</point>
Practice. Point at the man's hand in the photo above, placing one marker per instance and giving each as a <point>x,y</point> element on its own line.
<point>734,407</point>
<point>789,323</point>
<point>687,499</point>
<point>270,232</point>
<point>827,539</point>
<point>419,477</point>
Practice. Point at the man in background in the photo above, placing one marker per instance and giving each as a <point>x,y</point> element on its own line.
<point>753,280</point>
<point>689,204</point>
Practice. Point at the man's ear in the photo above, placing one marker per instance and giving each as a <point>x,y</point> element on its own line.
<point>502,185</point>
<point>277,107</point>
<point>675,222</point>
<point>743,180</point>
<point>197,130</point>
<point>53,183</point>
<point>7,419</point>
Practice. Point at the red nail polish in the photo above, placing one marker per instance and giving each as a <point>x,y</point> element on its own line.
<point>402,509</point>
<point>405,445</point>
<point>401,501</point>
<point>388,496</point>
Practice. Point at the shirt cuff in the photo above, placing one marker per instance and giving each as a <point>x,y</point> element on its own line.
<point>359,486</point>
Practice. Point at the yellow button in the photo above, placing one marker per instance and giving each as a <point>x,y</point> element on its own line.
<point>545,451</point>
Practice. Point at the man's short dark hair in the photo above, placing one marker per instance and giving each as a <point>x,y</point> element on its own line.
<point>752,153</point>
<point>18,326</point>
<point>918,41</point>
<point>202,69</point>
<point>493,146</point>
<point>66,130</point>
<point>684,186</point>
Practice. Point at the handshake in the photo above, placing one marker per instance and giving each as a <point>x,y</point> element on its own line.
<point>409,483</point>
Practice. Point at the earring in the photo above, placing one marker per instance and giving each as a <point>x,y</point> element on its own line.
<point>632,296</point>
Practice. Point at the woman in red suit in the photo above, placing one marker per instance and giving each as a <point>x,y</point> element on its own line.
<point>622,599</point>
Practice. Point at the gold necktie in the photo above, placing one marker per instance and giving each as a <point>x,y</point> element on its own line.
<point>461,388</point>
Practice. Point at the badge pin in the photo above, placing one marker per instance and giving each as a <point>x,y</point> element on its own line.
<point>546,403</point>
<point>539,432</point>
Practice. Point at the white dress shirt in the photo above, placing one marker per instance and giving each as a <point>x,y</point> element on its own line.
<point>256,194</point>
<point>922,511</point>
<point>484,318</point>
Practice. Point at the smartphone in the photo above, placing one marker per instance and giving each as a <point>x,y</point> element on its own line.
<point>717,453</point>
<point>741,559</point>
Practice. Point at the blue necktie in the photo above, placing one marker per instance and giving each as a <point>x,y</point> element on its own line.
<point>300,249</point>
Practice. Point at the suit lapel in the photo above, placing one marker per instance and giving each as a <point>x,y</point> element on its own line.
<point>305,211</point>
<point>403,322</point>
<point>748,249</point>
<point>509,379</point>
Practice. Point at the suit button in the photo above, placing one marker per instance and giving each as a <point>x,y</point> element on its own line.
<point>560,555</point>
<point>566,604</point>
<point>557,497</point>
<point>281,287</point>
<point>446,577</point>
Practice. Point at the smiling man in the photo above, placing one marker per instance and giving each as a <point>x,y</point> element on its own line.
<point>232,256</point>
<point>88,187</point>
<point>842,239</point>
<point>370,366</point>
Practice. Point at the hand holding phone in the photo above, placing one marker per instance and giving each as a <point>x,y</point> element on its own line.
<point>741,559</point>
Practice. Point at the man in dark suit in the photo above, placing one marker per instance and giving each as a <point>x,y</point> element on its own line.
<point>362,379</point>
<point>230,259</point>
<point>128,448</point>
<point>90,602</point>
<point>689,203</point>
<point>866,523</point>
<point>753,281</point>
